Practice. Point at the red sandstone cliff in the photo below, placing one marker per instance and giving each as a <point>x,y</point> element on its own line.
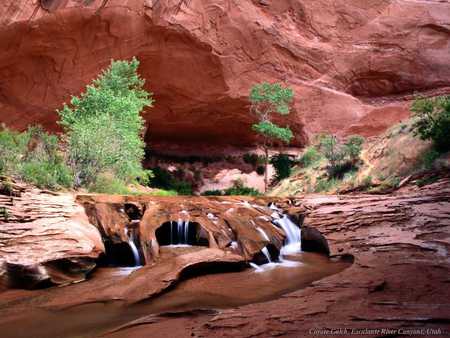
<point>353,63</point>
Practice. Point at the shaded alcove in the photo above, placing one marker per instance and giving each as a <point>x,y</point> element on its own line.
<point>133,212</point>
<point>182,232</point>
<point>118,254</point>
<point>260,258</point>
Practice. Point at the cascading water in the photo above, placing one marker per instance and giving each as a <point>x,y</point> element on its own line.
<point>293,236</point>
<point>180,235</point>
<point>292,243</point>
<point>264,250</point>
<point>267,254</point>
<point>133,247</point>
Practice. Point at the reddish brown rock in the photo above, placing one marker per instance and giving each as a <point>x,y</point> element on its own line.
<point>351,64</point>
<point>45,237</point>
<point>399,280</point>
<point>219,221</point>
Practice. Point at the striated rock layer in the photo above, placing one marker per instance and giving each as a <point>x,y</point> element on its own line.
<point>353,65</point>
<point>44,237</point>
<point>398,282</point>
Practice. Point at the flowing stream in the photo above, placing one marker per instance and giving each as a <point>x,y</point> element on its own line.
<point>23,313</point>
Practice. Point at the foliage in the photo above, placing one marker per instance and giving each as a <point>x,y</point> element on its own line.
<point>433,120</point>
<point>366,182</point>
<point>239,189</point>
<point>429,157</point>
<point>4,214</point>
<point>34,156</point>
<point>427,180</point>
<point>342,157</point>
<point>260,170</point>
<point>107,183</point>
<point>163,179</point>
<point>103,126</point>
<point>271,131</point>
<point>326,184</point>
<point>353,147</point>
<point>12,149</point>
<point>267,99</point>
<point>310,157</point>
<point>43,164</point>
<point>251,158</point>
<point>162,192</point>
<point>283,165</point>
<point>213,193</point>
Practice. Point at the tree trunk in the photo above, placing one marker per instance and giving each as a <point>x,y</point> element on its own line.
<point>266,168</point>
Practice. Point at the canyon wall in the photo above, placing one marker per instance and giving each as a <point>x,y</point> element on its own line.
<point>354,65</point>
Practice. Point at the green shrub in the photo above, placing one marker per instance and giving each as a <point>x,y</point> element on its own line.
<point>433,120</point>
<point>283,165</point>
<point>238,189</point>
<point>366,182</point>
<point>309,157</point>
<point>341,157</point>
<point>34,156</point>
<point>161,192</point>
<point>43,163</point>
<point>326,184</point>
<point>427,180</point>
<point>260,170</point>
<point>109,184</point>
<point>353,147</point>
<point>163,179</point>
<point>4,214</point>
<point>212,193</point>
<point>250,158</point>
<point>104,128</point>
<point>12,149</point>
<point>429,157</point>
<point>47,174</point>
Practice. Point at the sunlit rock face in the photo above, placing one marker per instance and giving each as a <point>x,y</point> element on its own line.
<point>353,65</point>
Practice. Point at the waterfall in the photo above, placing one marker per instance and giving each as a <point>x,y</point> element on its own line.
<point>186,231</point>
<point>133,247</point>
<point>182,233</point>
<point>137,259</point>
<point>266,253</point>
<point>293,235</point>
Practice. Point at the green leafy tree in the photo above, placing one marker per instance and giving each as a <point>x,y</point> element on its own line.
<point>433,120</point>
<point>267,99</point>
<point>104,128</point>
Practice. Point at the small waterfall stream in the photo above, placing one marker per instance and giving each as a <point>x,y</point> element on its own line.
<point>293,236</point>
<point>179,233</point>
<point>292,244</point>
<point>133,247</point>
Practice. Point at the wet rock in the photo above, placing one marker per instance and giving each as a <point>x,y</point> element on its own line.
<point>314,241</point>
<point>237,224</point>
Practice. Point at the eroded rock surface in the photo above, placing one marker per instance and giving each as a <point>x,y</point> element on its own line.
<point>235,224</point>
<point>399,279</point>
<point>352,65</point>
<point>45,237</point>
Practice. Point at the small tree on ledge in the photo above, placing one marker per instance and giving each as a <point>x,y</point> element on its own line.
<point>267,99</point>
